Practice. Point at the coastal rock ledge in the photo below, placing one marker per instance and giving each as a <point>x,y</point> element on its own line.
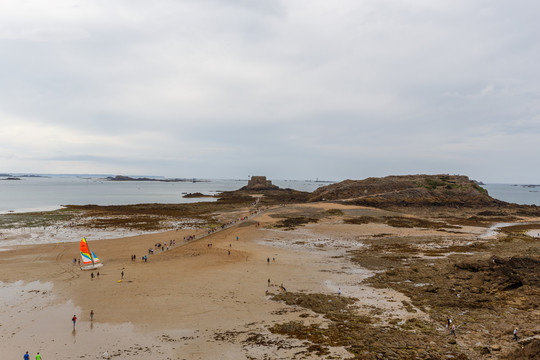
<point>408,190</point>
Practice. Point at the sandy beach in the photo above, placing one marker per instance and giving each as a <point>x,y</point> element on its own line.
<point>209,298</point>
<point>173,306</point>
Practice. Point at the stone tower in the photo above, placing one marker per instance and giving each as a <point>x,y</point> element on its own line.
<point>260,182</point>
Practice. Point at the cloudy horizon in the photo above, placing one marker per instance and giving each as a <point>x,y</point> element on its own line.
<point>286,89</point>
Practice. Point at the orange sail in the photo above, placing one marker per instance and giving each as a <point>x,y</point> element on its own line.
<point>90,260</point>
<point>85,253</point>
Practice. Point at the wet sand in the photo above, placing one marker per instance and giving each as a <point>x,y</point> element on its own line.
<point>192,301</point>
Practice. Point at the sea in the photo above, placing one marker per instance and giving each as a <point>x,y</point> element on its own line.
<point>522,194</point>
<point>51,192</point>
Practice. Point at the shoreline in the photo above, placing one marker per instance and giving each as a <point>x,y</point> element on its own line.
<point>197,301</point>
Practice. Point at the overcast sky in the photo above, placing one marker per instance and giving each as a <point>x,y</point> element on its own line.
<point>288,89</point>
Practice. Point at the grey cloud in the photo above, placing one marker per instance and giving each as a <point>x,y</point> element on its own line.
<point>347,88</point>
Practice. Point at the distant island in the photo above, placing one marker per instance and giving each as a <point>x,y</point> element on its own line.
<point>196,195</point>
<point>17,177</point>
<point>128,178</point>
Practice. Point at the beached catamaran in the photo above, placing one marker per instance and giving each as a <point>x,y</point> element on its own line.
<point>90,260</point>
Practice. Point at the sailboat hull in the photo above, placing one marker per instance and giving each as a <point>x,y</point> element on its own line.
<point>91,266</point>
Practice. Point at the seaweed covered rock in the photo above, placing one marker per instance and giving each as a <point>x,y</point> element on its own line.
<point>408,190</point>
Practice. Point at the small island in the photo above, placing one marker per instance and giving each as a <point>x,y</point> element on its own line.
<point>196,195</point>
<point>128,178</point>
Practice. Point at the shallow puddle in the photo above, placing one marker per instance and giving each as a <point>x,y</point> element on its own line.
<point>32,320</point>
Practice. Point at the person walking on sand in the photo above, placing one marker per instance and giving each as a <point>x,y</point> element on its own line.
<point>38,357</point>
<point>91,315</point>
<point>515,334</point>
<point>268,282</point>
<point>453,330</point>
<point>122,274</point>
<point>92,275</point>
<point>26,356</point>
<point>74,319</point>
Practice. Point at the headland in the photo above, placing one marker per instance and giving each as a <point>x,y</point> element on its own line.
<point>361,269</point>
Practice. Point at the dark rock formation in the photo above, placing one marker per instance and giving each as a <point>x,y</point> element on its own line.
<point>196,195</point>
<point>408,190</point>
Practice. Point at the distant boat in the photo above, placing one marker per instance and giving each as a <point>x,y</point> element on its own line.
<point>89,259</point>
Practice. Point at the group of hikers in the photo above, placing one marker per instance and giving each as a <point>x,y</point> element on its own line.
<point>452,327</point>
<point>27,356</point>
<point>281,287</point>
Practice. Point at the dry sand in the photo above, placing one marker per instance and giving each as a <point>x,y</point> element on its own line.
<point>190,302</point>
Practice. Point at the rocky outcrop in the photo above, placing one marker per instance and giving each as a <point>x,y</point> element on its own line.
<point>408,190</point>
<point>259,185</point>
<point>530,351</point>
<point>196,195</point>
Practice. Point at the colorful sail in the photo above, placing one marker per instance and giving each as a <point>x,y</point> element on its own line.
<point>89,258</point>
<point>96,260</point>
<point>85,253</point>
